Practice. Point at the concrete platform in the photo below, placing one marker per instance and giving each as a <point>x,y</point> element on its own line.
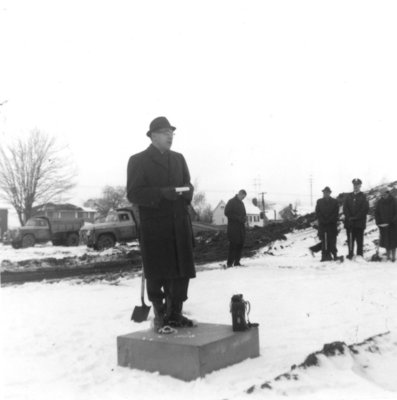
<point>188,354</point>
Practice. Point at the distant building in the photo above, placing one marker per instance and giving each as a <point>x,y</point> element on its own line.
<point>253,214</point>
<point>288,213</point>
<point>218,215</point>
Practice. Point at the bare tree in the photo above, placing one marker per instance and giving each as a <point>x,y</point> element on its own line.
<point>112,197</point>
<point>200,205</point>
<point>34,171</point>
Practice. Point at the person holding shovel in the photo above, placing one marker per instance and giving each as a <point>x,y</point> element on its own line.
<point>386,219</point>
<point>158,182</point>
<point>327,212</point>
<point>355,210</point>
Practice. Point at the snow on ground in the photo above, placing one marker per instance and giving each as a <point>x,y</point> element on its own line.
<point>47,250</point>
<point>59,339</point>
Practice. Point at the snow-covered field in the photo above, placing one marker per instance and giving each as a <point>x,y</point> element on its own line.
<point>59,339</point>
<point>40,251</point>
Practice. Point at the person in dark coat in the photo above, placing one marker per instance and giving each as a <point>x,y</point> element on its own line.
<point>327,212</point>
<point>158,182</point>
<point>386,219</point>
<point>355,210</point>
<point>236,220</point>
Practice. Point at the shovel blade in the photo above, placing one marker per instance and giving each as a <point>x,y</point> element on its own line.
<point>140,313</point>
<point>376,257</point>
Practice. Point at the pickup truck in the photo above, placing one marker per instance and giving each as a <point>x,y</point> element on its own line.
<point>118,226</point>
<point>42,229</point>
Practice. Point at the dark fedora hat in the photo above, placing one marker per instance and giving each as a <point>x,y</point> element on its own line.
<point>327,189</point>
<point>356,181</point>
<point>159,123</point>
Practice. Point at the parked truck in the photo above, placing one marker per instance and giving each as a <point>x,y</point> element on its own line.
<point>118,226</point>
<point>40,229</point>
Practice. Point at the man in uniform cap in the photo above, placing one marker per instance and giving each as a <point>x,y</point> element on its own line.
<point>158,182</point>
<point>327,212</point>
<point>355,209</point>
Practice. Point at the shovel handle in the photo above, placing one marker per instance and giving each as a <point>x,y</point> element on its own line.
<point>142,286</point>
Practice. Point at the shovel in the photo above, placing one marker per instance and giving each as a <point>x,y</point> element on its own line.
<point>350,256</point>
<point>376,256</point>
<point>141,313</point>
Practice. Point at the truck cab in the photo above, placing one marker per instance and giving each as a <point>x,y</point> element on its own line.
<point>118,226</point>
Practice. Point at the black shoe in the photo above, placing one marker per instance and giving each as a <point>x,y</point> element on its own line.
<point>174,317</point>
<point>179,321</point>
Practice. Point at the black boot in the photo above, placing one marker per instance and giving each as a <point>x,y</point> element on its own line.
<point>174,317</point>
<point>159,309</point>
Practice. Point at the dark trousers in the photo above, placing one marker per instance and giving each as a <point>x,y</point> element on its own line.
<point>173,289</point>
<point>328,240</point>
<point>327,234</point>
<point>355,235</point>
<point>234,255</point>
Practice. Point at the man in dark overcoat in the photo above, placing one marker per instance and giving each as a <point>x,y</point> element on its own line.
<point>327,213</point>
<point>355,210</point>
<point>386,219</point>
<point>158,182</point>
<point>236,220</point>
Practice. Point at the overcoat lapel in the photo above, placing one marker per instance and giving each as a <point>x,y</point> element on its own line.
<point>159,158</point>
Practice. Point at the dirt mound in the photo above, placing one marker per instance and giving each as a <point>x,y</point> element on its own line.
<point>213,246</point>
<point>357,359</point>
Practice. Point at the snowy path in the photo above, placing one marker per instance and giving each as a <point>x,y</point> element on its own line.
<point>59,340</point>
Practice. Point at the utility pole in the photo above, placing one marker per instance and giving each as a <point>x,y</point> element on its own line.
<point>263,206</point>
<point>257,185</point>
<point>311,190</point>
<point>263,200</point>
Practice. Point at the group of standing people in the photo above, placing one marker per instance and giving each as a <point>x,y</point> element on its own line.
<point>355,211</point>
<point>159,187</point>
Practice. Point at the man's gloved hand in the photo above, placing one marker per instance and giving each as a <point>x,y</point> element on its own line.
<point>169,193</point>
<point>189,194</point>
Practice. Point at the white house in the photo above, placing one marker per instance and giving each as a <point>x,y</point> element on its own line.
<point>218,215</point>
<point>253,214</point>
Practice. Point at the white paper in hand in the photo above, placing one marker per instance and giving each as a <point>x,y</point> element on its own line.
<point>182,189</point>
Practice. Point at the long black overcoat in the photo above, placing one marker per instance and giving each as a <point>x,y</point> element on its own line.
<point>386,213</point>
<point>327,213</point>
<point>166,236</point>
<point>236,218</point>
<point>355,209</point>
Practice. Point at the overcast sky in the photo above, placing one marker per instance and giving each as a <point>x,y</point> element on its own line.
<point>268,92</point>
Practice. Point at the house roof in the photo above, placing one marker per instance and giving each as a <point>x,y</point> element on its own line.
<point>251,208</point>
<point>221,203</point>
